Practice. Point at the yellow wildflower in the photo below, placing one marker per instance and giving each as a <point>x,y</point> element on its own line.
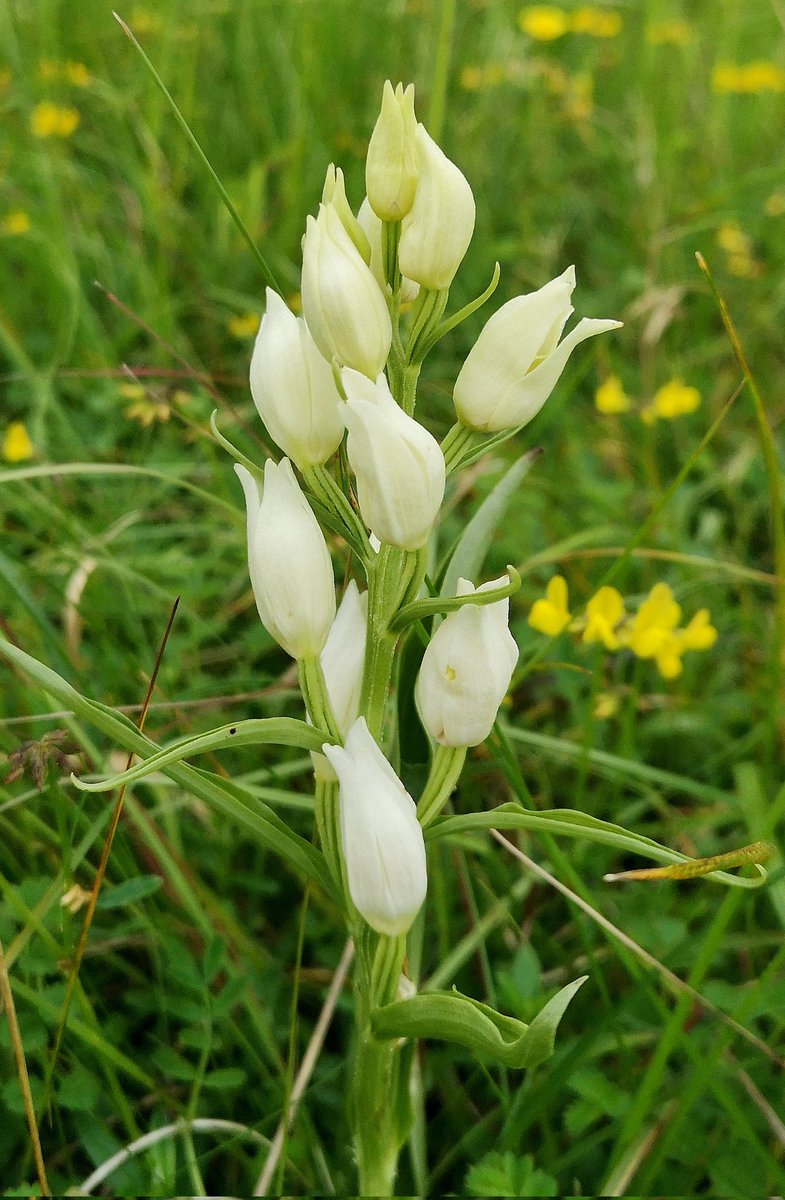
<point>748,78</point>
<point>610,397</point>
<point>53,120</point>
<point>700,634</point>
<point>471,78</point>
<point>596,22</point>
<point>604,613</point>
<point>543,22</point>
<point>775,204</point>
<point>606,705</point>
<point>674,399</point>
<point>669,33</point>
<point>77,74</point>
<point>15,223</point>
<point>732,239</point>
<point>551,615</point>
<point>16,443</point>
<point>144,21</point>
<point>652,626</point>
<point>243,325</point>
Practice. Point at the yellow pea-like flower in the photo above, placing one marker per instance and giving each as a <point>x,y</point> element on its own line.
<point>604,613</point>
<point>550,615</point>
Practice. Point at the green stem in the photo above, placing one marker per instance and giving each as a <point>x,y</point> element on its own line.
<point>393,579</point>
<point>317,701</point>
<point>377,1079</point>
<point>445,771</point>
<point>329,493</point>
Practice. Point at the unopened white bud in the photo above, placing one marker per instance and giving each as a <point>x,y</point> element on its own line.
<point>466,670</point>
<point>399,465</point>
<point>288,560</point>
<point>372,227</point>
<point>516,362</point>
<point>383,845</point>
<point>294,388</point>
<point>342,661</point>
<point>391,168</point>
<point>437,230</point>
<point>334,192</point>
<point>343,304</point>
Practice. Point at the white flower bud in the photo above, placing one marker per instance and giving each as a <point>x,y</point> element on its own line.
<point>391,167</point>
<point>383,845</point>
<point>398,464</point>
<point>334,192</point>
<point>437,230</point>
<point>343,304</point>
<point>516,361</point>
<point>372,228</point>
<point>288,560</point>
<point>293,387</point>
<point>466,670</point>
<point>342,661</point>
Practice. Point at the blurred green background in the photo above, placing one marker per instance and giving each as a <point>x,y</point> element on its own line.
<point>622,138</point>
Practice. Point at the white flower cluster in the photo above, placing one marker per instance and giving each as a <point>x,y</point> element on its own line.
<point>336,370</point>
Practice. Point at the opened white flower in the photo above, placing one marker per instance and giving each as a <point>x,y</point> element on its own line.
<point>343,304</point>
<point>398,464</point>
<point>516,361</point>
<point>293,387</point>
<point>288,560</point>
<point>383,845</point>
<point>466,669</point>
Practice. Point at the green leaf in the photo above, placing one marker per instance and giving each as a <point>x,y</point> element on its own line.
<point>568,822</point>
<point>129,891</point>
<point>452,1017</point>
<point>498,1174</point>
<point>279,731</point>
<point>226,797</point>
<point>469,555</point>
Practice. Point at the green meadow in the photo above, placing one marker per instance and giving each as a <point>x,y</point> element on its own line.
<point>624,138</point>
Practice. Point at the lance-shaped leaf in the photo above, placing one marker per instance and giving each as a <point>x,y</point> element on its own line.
<point>226,797</point>
<point>453,1017</point>
<point>279,731</point>
<point>567,822</point>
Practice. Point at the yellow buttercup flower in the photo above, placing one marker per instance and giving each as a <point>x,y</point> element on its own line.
<point>604,613</point>
<point>732,239</point>
<point>748,78</point>
<point>606,705</point>
<point>669,33</point>
<point>53,120</point>
<point>15,223</point>
<point>243,325</point>
<point>674,399</point>
<point>610,397</point>
<point>16,443</point>
<point>596,22</point>
<point>543,22</point>
<point>551,615</point>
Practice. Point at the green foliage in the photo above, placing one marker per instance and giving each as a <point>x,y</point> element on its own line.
<point>616,153</point>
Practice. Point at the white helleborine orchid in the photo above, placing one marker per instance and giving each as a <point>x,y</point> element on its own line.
<point>516,361</point>
<point>343,304</point>
<point>383,845</point>
<point>466,670</point>
<point>372,227</point>
<point>293,387</point>
<point>391,166</point>
<point>342,661</point>
<point>288,560</point>
<point>334,192</point>
<point>438,228</point>
<point>398,464</point>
